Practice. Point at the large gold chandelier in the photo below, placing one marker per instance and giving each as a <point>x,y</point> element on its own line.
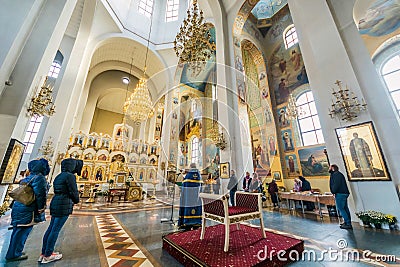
<point>216,137</point>
<point>192,43</point>
<point>139,106</point>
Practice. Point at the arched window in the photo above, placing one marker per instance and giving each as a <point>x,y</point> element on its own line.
<point>195,150</point>
<point>309,125</point>
<point>290,36</point>
<point>146,7</point>
<point>391,74</point>
<point>172,10</point>
<point>54,70</point>
<point>32,133</point>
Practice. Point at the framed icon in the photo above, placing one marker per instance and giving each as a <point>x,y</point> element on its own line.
<point>362,153</point>
<point>11,161</point>
<point>224,170</point>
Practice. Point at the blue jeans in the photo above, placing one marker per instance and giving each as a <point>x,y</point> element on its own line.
<point>232,197</point>
<point>17,241</point>
<point>341,205</point>
<point>51,235</point>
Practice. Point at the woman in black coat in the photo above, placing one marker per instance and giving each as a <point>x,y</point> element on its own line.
<point>61,206</point>
<point>23,217</point>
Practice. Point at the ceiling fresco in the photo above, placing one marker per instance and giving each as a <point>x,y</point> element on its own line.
<point>267,8</point>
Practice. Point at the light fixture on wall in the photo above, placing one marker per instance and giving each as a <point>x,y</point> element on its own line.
<point>346,105</point>
<point>139,106</point>
<point>192,43</point>
<point>42,104</point>
<point>292,111</point>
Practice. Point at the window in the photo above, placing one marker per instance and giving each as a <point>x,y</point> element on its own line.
<point>54,70</point>
<point>195,150</point>
<point>146,7</point>
<point>310,127</point>
<point>31,133</point>
<point>172,10</point>
<point>391,74</point>
<point>290,37</point>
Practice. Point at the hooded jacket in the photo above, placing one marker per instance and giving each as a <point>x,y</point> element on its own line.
<point>65,188</point>
<point>23,215</point>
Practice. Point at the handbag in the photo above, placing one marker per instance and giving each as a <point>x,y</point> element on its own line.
<point>24,193</point>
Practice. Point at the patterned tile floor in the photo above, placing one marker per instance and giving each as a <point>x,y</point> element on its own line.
<point>119,248</point>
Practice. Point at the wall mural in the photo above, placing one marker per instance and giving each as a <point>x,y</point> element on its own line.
<point>381,18</point>
<point>287,71</point>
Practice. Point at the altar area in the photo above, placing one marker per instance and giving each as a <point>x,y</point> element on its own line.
<point>115,166</point>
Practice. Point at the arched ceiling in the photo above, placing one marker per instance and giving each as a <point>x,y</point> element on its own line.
<point>127,51</point>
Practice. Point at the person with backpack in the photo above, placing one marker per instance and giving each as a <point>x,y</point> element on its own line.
<point>24,217</point>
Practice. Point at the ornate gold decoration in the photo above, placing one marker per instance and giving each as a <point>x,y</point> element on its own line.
<point>292,111</point>
<point>139,106</point>
<point>345,107</point>
<point>192,43</point>
<point>42,104</point>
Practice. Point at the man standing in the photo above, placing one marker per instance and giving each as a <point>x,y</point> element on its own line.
<point>361,155</point>
<point>232,187</point>
<point>341,193</point>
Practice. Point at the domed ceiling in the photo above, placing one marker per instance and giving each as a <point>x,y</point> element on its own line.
<point>267,8</point>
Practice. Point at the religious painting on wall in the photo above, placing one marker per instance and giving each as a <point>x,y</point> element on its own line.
<point>277,176</point>
<point>224,170</point>
<point>12,159</point>
<point>291,165</point>
<point>381,18</point>
<point>85,174</point>
<point>287,140</point>
<point>99,174</point>
<point>313,161</point>
<point>362,153</point>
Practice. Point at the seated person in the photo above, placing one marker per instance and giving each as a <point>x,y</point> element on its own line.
<point>306,186</point>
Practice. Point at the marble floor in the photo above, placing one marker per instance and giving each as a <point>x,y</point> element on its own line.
<point>129,234</point>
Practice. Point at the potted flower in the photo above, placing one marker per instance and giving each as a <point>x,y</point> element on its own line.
<point>391,220</point>
<point>364,217</point>
<point>377,218</point>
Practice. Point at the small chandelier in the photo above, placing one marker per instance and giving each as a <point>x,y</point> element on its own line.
<point>139,106</point>
<point>47,149</point>
<point>345,107</point>
<point>192,43</point>
<point>218,138</point>
<point>42,104</point>
<point>292,111</point>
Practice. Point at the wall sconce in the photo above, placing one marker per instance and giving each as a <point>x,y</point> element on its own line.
<point>345,107</point>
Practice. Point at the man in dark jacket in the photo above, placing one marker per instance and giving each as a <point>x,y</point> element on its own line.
<point>339,189</point>
<point>61,206</point>
<point>232,187</point>
<point>306,186</point>
<point>24,217</point>
<point>273,190</point>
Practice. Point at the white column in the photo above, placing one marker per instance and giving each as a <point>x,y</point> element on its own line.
<point>32,65</point>
<point>336,52</point>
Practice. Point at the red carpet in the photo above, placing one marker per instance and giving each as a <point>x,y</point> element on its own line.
<point>244,246</point>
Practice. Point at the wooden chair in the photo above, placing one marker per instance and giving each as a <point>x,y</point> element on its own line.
<point>216,208</point>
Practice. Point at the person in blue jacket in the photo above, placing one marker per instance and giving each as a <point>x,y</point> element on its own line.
<point>190,209</point>
<point>23,218</point>
<point>61,206</point>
